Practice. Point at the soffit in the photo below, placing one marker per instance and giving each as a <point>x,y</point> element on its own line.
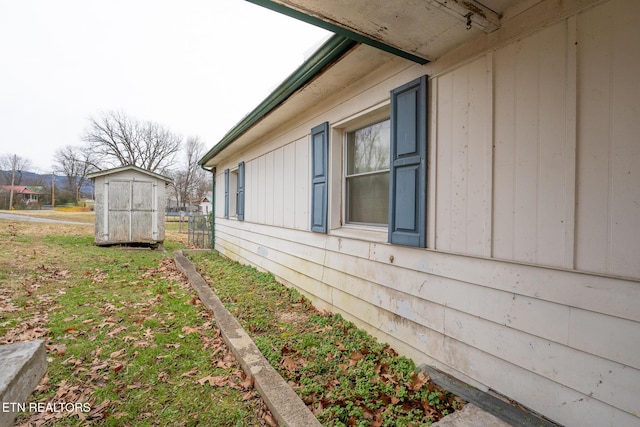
<point>424,28</point>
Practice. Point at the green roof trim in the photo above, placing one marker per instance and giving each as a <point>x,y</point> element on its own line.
<point>331,50</point>
<point>318,22</point>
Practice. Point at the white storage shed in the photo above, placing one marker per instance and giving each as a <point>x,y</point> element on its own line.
<point>130,204</point>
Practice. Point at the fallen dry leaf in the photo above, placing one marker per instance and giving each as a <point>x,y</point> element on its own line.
<point>191,373</point>
<point>116,331</point>
<point>188,330</point>
<point>117,354</point>
<point>418,381</point>
<point>289,364</point>
<point>217,381</point>
<point>268,418</point>
<point>57,349</point>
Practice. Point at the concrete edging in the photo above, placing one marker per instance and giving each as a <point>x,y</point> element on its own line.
<point>23,365</point>
<point>284,403</point>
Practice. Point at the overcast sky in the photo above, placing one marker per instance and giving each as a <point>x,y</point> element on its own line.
<point>194,66</point>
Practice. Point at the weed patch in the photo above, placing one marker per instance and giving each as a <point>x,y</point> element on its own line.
<point>343,374</point>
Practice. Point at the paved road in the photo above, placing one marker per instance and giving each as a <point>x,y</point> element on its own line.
<point>15,217</point>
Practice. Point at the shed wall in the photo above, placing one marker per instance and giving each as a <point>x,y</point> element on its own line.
<point>531,283</point>
<point>129,208</point>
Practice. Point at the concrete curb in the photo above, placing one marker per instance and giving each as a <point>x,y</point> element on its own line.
<point>23,365</point>
<point>284,403</point>
<point>484,409</point>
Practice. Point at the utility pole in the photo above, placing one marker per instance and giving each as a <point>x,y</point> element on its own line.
<point>13,180</point>
<point>53,189</point>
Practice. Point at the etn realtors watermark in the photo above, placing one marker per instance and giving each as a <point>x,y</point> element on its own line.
<point>53,407</point>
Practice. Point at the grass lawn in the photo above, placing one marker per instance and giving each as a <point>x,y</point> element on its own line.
<point>126,336</point>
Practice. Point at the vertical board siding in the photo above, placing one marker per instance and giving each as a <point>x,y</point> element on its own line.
<point>269,183</point>
<point>530,159</point>
<point>463,161</point>
<point>608,197</point>
<point>251,208</point>
<point>288,185</point>
<point>278,187</point>
<point>262,190</point>
<point>302,184</point>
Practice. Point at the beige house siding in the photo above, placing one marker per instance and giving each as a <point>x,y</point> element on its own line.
<point>531,283</point>
<point>607,217</point>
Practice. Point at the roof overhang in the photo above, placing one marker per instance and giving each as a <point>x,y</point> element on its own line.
<point>419,30</point>
<point>368,33</point>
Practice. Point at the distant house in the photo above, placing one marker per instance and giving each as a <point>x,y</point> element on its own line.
<point>27,195</point>
<point>206,204</point>
<point>464,182</point>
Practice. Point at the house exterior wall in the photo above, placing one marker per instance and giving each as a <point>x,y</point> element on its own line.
<point>530,283</point>
<point>129,208</point>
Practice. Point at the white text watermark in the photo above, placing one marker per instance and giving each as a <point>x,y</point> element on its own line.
<point>54,407</point>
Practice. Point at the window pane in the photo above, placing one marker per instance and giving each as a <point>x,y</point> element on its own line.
<point>368,198</point>
<point>368,149</point>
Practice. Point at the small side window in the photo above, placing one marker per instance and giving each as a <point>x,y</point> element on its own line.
<point>231,196</point>
<point>240,192</point>
<point>226,193</point>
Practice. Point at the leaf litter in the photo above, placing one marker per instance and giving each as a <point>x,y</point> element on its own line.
<point>96,352</point>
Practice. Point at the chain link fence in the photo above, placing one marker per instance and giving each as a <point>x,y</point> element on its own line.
<point>199,230</point>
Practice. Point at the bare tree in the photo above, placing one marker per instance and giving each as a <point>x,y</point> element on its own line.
<point>76,163</point>
<point>11,167</point>
<point>119,140</point>
<point>190,180</point>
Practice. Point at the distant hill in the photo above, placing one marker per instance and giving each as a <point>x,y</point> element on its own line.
<point>33,178</point>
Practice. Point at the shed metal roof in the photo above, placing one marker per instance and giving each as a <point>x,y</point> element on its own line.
<point>126,168</point>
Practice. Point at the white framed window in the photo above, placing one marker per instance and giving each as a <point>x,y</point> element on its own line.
<point>234,192</point>
<point>382,184</point>
<point>366,174</point>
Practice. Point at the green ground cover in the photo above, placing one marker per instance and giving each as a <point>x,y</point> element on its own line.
<point>343,374</point>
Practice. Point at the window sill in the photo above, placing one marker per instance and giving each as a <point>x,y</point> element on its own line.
<point>360,233</point>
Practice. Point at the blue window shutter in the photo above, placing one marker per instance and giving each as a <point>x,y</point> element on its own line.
<point>319,177</point>
<point>226,193</point>
<point>408,169</point>
<point>241,191</point>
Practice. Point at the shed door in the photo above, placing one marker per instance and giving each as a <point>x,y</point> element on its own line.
<point>119,209</point>
<point>132,211</point>
<point>142,224</point>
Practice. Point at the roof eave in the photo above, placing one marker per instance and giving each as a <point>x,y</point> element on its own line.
<point>329,52</point>
<point>338,29</point>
